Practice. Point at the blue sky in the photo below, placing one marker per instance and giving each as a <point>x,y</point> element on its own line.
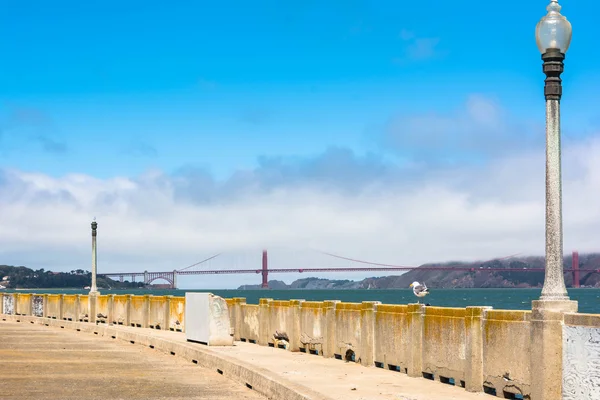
<point>156,85</point>
<point>135,110</point>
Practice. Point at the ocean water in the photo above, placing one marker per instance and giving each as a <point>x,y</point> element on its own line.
<point>505,299</point>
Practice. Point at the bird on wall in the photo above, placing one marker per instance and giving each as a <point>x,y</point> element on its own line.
<point>420,290</point>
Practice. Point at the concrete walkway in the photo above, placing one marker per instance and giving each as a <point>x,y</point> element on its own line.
<point>277,373</point>
<point>336,379</point>
<point>37,362</point>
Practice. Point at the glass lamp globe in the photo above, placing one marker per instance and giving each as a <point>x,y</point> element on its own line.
<point>553,31</point>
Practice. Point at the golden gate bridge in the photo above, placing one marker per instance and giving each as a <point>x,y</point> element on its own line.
<point>147,277</point>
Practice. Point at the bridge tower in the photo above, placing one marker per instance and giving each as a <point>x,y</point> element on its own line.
<point>575,267</point>
<point>174,279</point>
<point>145,277</point>
<point>265,270</point>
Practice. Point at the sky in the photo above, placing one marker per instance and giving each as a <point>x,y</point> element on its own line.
<point>388,132</point>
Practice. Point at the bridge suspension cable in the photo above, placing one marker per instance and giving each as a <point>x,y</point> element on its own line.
<point>401,266</point>
<point>200,262</point>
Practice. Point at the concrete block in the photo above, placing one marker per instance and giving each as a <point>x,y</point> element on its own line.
<point>264,320</point>
<point>367,335</point>
<point>207,319</point>
<point>37,306</point>
<point>416,316</point>
<point>581,362</point>
<point>547,348</point>
<point>8,306</point>
<point>474,323</point>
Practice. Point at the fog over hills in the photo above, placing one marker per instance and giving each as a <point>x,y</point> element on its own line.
<point>515,275</point>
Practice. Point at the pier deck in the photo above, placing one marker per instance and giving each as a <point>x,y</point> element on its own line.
<point>311,376</point>
<point>38,362</point>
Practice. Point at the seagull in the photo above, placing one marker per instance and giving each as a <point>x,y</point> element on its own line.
<point>419,290</point>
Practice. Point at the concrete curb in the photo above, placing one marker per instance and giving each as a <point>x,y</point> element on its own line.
<point>259,379</point>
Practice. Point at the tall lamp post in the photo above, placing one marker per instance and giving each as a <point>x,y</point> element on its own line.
<point>553,37</point>
<point>94,288</point>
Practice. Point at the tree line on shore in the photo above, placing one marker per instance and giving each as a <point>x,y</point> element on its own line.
<point>20,277</point>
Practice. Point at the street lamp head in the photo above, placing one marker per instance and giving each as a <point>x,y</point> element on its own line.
<point>553,31</point>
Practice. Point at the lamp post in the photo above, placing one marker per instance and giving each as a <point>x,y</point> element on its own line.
<point>553,37</point>
<point>94,288</point>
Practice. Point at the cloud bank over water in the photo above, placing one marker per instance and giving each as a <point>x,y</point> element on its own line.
<point>404,210</point>
<point>360,207</point>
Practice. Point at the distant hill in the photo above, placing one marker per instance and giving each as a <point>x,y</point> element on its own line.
<point>25,278</point>
<point>514,275</point>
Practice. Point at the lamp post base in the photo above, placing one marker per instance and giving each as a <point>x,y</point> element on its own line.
<point>93,305</point>
<point>546,362</point>
<point>556,305</point>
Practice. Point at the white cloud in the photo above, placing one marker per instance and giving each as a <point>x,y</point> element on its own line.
<point>478,128</point>
<point>146,224</point>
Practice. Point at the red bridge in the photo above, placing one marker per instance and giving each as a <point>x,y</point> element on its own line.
<point>171,276</point>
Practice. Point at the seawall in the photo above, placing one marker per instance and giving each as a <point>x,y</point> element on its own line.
<point>477,348</point>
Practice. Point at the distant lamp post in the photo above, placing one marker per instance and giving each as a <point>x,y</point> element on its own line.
<point>94,288</point>
<point>553,37</point>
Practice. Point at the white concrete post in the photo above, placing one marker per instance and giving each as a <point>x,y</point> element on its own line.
<point>329,331</point>
<point>167,314</point>
<point>61,306</point>
<point>146,311</point>
<point>128,308</point>
<point>16,310</point>
<point>416,316</point>
<point>238,312</point>
<point>296,329</point>
<point>367,337</point>
<point>474,322</point>
<point>264,328</point>
<point>45,300</point>
<point>110,317</point>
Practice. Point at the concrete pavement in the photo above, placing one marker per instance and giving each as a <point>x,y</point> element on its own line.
<point>37,362</point>
<point>276,373</point>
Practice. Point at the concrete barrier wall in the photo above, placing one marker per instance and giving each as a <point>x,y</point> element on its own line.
<point>156,312</point>
<point>312,326</point>
<point>70,309</point>
<point>54,306</point>
<point>392,339</point>
<point>23,304</point>
<point>280,319</point>
<point>120,310</point>
<point>506,344</point>
<point>249,323</point>
<point>478,348</point>
<point>177,314</point>
<point>84,313</point>
<point>444,344</point>
<point>347,332</point>
<point>138,311</point>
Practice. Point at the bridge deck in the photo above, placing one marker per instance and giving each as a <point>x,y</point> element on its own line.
<point>327,378</point>
<point>38,362</point>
